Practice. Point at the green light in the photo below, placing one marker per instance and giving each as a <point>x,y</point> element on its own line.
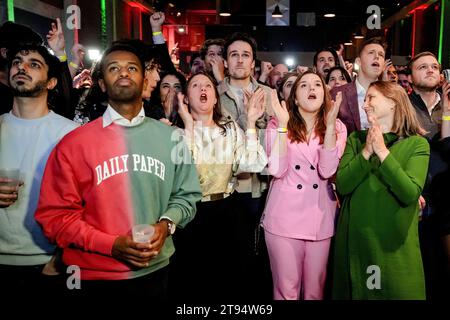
<point>441,32</point>
<point>10,6</point>
<point>103,13</point>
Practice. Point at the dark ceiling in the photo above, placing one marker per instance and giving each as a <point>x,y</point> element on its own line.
<point>250,16</point>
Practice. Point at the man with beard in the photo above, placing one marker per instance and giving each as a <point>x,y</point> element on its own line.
<point>28,133</point>
<point>120,170</point>
<point>10,34</point>
<point>426,100</point>
<point>324,60</point>
<point>425,77</point>
<point>371,59</point>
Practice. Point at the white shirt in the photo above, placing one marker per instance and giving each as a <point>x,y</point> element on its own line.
<point>436,102</point>
<point>361,91</point>
<point>112,115</point>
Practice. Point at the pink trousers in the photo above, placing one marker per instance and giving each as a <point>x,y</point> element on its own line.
<point>297,265</point>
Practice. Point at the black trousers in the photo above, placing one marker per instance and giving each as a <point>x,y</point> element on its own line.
<point>151,288</point>
<point>205,266</point>
<point>215,260</point>
<point>29,281</point>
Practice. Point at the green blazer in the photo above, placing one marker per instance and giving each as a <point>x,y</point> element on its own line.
<point>377,253</point>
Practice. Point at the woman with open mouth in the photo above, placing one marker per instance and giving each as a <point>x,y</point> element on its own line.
<point>304,144</point>
<point>207,259</point>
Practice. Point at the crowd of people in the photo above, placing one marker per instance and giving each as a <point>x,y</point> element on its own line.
<point>260,182</point>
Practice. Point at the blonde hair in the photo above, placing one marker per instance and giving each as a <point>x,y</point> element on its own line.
<point>406,123</point>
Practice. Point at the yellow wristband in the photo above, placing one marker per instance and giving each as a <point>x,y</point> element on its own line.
<point>63,58</point>
<point>74,65</point>
<point>156,33</point>
<point>446,118</point>
<point>282,130</point>
<point>251,130</point>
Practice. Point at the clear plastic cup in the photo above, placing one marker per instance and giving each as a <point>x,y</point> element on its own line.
<point>142,233</point>
<point>11,174</point>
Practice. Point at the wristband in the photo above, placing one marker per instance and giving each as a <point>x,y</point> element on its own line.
<point>446,118</point>
<point>74,65</point>
<point>282,130</point>
<point>156,33</point>
<point>62,58</point>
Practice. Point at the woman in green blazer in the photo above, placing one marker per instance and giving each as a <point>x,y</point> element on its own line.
<point>380,177</point>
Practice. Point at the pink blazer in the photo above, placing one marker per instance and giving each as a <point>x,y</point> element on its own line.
<point>301,203</point>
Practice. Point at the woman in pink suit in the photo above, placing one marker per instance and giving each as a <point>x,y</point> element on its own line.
<point>304,145</point>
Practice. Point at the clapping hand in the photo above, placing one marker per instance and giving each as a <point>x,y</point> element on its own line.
<point>334,111</point>
<point>376,136</point>
<point>254,106</point>
<point>184,113</point>
<point>280,110</point>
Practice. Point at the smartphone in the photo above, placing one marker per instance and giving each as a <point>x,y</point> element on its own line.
<point>446,73</point>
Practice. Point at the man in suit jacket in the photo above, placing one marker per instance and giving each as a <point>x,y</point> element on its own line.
<point>371,61</point>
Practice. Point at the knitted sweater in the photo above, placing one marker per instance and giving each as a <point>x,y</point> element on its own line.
<point>25,145</point>
<point>99,182</point>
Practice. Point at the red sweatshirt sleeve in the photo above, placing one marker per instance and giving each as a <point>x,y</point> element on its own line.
<point>60,210</point>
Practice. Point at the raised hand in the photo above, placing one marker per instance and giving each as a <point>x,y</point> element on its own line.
<point>82,78</point>
<point>169,102</point>
<point>301,69</point>
<point>255,107</point>
<point>340,52</point>
<point>333,113</point>
<point>387,65</point>
<point>349,68</point>
<point>184,113</point>
<point>279,109</point>
<point>55,38</point>
<point>78,54</point>
<point>266,67</point>
<point>218,68</point>
<point>156,21</point>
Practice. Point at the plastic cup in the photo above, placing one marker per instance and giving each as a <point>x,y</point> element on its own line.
<point>12,174</point>
<point>143,233</point>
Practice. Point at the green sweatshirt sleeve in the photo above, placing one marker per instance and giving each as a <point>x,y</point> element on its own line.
<point>186,189</point>
<point>353,168</point>
<point>407,183</point>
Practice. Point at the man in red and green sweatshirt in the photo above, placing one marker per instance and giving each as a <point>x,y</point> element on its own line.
<point>118,171</point>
